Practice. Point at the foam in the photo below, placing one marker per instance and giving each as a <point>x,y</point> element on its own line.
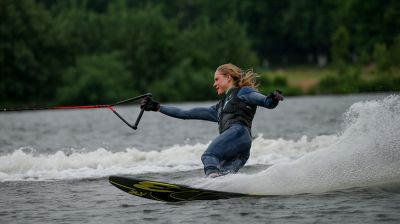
<point>28,164</point>
<point>366,152</point>
<point>21,165</point>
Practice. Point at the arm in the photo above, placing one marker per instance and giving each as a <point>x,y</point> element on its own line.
<point>251,96</point>
<point>199,113</point>
<point>208,114</point>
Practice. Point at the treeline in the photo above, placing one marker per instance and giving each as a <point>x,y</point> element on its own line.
<point>95,51</point>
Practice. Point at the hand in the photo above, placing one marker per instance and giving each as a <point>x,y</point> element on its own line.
<point>149,105</point>
<point>277,95</point>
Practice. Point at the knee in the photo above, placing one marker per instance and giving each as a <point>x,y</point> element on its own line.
<point>207,158</point>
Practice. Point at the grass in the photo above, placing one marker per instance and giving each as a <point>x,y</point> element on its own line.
<point>304,78</point>
<point>299,80</point>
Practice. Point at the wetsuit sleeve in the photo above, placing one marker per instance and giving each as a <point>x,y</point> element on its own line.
<point>251,96</point>
<point>199,113</point>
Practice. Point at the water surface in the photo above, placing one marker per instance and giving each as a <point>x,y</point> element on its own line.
<point>320,159</point>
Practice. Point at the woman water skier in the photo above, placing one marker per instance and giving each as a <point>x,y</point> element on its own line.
<point>229,151</point>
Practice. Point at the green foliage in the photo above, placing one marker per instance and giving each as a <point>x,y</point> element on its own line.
<point>264,80</point>
<point>96,79</point>
<point>364,58</point>
<point>26,52</point>
<point>395,52</point>
<point>310,22</point>
<point>340,46</point>
<point>344,83</point>
<point>185,83</point>
<point>381,85</point>
<point>280,81</point>
<point>369,22</point>
<point>381,57</point>
<point>268,85</point>
<point>229,41</point>
<point>290,90</point>
<point>148,44</point>
<point>173,48</point>
<point>352,82</point>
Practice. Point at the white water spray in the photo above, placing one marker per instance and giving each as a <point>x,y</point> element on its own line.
<point>366,153</point>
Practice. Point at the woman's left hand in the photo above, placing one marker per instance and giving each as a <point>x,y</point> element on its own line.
<point>277,95</point>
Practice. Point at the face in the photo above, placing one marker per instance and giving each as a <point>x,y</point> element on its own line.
<point>222,82</point>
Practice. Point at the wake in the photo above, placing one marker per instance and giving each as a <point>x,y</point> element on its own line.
<point>365,153</point>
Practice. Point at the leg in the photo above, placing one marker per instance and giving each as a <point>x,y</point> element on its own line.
<point>233,166</point>
<point>233,143</point>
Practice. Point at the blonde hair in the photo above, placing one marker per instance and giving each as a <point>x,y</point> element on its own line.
<point>240,78</point>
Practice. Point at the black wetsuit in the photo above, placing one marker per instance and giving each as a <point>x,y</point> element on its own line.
<point>229,151</point>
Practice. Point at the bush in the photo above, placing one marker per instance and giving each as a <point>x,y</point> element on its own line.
<point>28,67</point>
<point>264,80</point>
<point>340,46</point>
<point>381,57</point>
<point>96,79</point>
<point>209,45</point>
<point>280,81</point>
<point>348,82</point>
<point>395,52</point>
<point>184,83</point>
<point>381,85</point>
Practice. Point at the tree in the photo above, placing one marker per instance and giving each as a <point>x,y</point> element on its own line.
<point>369,22</point>
<point>381,57</point>
<point>212,44</point>
<point>308,24</point>
<point>99,78</point>
<point>147,41</point>
<point>395,52</point>
<point>27,52</point>
<point>340,47</point>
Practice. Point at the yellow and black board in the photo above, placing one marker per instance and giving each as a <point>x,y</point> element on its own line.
<point>167,192</point>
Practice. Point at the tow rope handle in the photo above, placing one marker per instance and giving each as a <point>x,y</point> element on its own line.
<point>134,126</point>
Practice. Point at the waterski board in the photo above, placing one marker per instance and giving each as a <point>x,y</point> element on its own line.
<point>167,192</point>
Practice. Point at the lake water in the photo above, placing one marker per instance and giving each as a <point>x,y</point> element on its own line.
<point>319,159</point>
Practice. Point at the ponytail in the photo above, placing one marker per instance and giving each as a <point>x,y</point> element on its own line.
<point>240,78</point>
